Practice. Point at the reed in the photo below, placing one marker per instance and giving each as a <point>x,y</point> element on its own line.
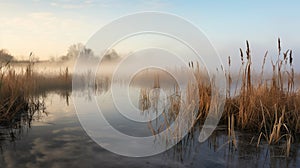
<point>19,91</point>
<point>268,109</point>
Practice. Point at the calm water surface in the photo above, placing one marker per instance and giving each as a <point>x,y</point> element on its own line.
<point>56,139</point>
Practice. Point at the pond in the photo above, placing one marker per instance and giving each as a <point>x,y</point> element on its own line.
<point>54,137</point>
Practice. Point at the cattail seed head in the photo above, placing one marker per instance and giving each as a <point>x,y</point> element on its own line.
<point>242,55</point>
<point>279,46</point>
<point>291,57</point>
<point>248,50</point>
<point>285,56</point>
<point>229,61</point>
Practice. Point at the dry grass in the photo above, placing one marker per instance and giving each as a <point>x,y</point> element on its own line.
<point>271,108</point>
<point>18,91</point>
<point>267,108</point>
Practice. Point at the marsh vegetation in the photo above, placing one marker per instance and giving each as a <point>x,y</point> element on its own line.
<point>264,104</point>
<point>261,108</point>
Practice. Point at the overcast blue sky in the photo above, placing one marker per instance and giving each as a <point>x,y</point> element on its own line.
<point>48,27</point>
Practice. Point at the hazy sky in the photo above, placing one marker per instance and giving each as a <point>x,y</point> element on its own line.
<point>48,27</point>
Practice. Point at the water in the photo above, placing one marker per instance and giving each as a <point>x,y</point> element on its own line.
<point>55,138</point>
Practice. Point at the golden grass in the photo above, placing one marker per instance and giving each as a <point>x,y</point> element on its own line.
<point>269,109</point>
<point>18,91</point>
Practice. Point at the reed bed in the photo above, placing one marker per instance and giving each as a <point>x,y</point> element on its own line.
<point>266,105</point>
<point>259,105</point>
<point>269,107</point>
<point>20,91</point>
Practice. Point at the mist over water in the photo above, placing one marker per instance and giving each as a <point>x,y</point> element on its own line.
<point>53,135</point>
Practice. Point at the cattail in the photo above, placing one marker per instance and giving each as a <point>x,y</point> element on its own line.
<point>291,57</point>
<point>279,46</point>
<point>285,56</point>
<point>229,61</point>
<point>242,56</point>
<point>248,50</point>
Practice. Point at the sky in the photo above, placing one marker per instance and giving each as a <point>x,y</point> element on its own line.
<point>49,27</point>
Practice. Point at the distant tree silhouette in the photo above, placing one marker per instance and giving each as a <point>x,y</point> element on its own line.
<point>5,56</point>
<point>79,49</point>
<point>76,49</point>
<point>111,55</point>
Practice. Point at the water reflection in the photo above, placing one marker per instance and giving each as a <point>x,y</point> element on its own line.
<point>53,137</point>
<point>13,129</point>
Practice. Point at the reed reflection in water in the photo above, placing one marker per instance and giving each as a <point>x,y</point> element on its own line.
<point>52,136</point>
